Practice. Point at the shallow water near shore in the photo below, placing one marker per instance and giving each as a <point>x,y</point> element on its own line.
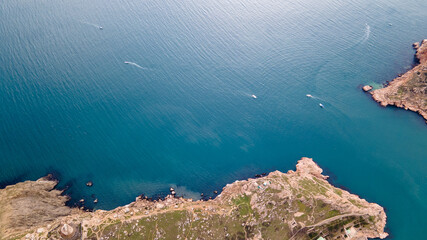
<point>182,115</point>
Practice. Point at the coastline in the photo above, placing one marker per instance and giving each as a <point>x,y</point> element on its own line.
<point>409,90</point>
<point>299,204</point>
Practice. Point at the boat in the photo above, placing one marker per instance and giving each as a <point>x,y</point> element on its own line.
<point>309,95</point>
<point>253,96</point>
<point>321,105</point>
<point>100,28</point>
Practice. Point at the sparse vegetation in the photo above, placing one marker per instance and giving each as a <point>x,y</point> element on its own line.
<point>280,206</point>
<point>338,191</point>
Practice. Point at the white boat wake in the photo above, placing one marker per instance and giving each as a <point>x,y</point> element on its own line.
<point>317,98</point>
<point>360,41</point>
<point>136,65</point>
<point>92,24</point>
<point>314,97</point>
<point>367,33</point>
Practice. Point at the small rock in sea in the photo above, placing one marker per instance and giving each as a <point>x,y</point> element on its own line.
<point>82,200</point>
<point>171,189</point>
<point>215,192</point>
<point>173,193</point>
<point>95,201</point>
<point>367,88</point>
<point>89,184</point>
<point>201,194</point>
<point>258,175</point>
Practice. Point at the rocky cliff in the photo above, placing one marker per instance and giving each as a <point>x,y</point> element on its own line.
<point>408,91</point>
<point>299,204</point>
<point>30,204</point>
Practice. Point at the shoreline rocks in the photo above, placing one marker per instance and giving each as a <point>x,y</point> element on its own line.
<point>416,45</point>
<point>279,201</point>
<point>367,88</point>
<point>409,90</point>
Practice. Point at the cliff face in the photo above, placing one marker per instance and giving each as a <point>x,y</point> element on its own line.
<point>410,90</point>
<point>29,204</point>
<point>299,204</point>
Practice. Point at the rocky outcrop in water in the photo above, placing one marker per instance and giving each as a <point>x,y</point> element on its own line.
<point>408,91</point>
<point>299,204</point>
<point>367,88</point>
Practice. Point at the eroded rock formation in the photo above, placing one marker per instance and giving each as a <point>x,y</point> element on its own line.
<point>28,204</point>
<point>299,204</point>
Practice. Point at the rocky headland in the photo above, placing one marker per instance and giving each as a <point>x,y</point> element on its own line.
<point>408,91</point>
<point>298,204</point>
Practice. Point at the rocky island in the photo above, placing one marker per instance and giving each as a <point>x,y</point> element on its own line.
<point>298,204</point>
<point>408,91</point>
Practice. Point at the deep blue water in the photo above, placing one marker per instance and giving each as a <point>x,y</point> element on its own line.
<point>184,115</point>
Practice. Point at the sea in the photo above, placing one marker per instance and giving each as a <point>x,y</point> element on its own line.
<point>180,112</point>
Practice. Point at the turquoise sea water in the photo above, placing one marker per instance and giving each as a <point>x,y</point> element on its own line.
<point>183,115</point>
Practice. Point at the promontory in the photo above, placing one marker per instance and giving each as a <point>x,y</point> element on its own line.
<point>299,204</point>
<point>408,91</point>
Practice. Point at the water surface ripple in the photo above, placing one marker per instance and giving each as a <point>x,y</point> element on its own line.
<point>183,114</point>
